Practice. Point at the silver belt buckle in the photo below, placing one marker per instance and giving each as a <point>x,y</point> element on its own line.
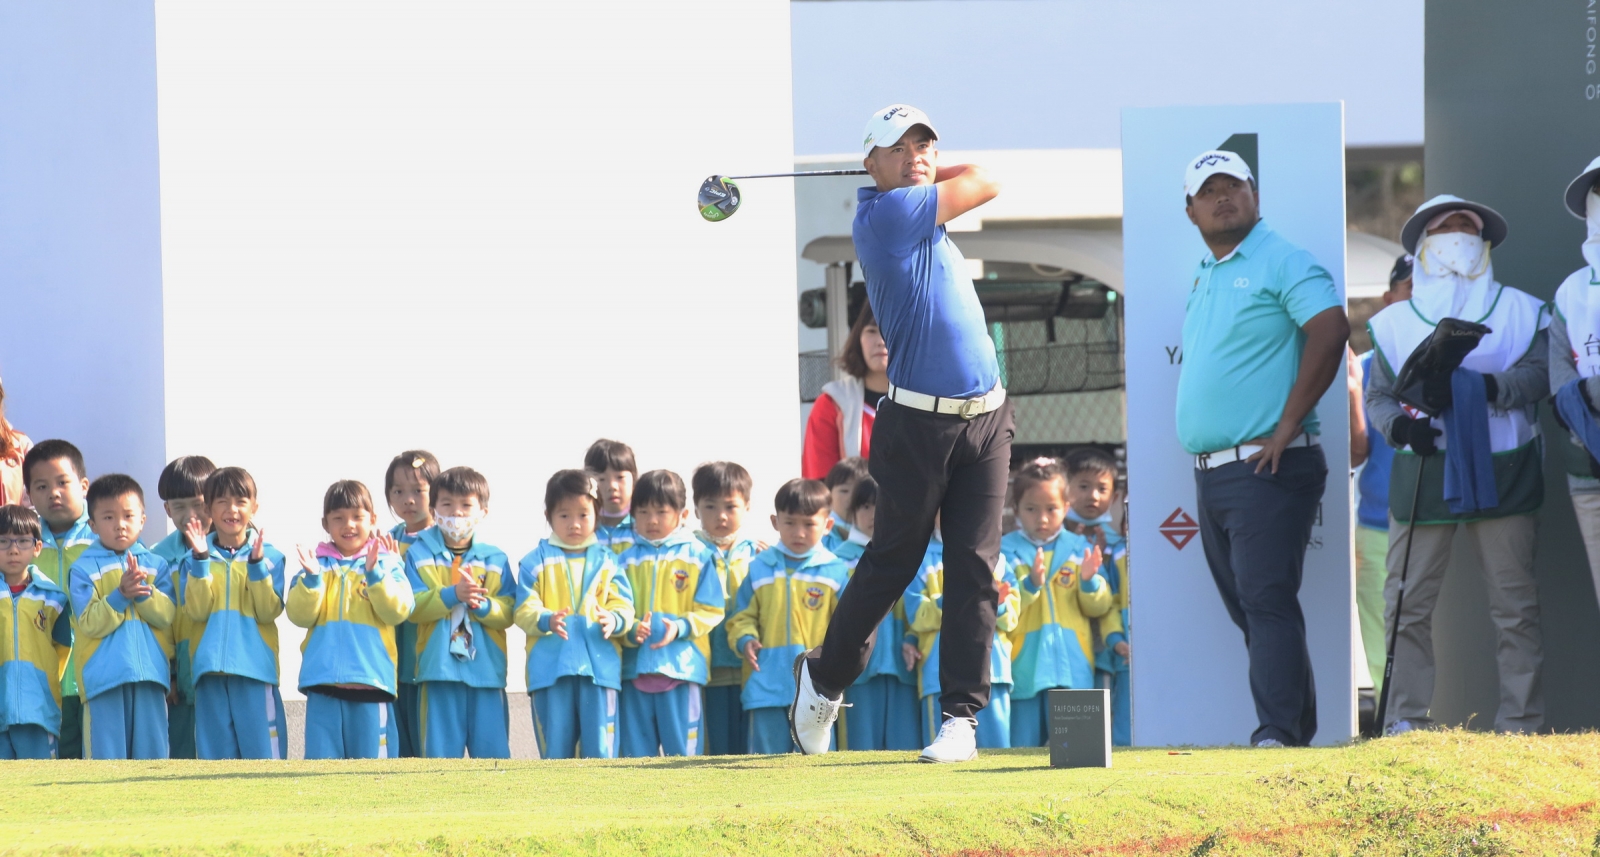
<point>971,408</point>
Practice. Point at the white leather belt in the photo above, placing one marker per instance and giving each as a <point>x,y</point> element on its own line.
<point>1208,460</point>
<point>964,408</point>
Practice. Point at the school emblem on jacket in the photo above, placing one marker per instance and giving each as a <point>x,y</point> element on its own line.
<point>813,597</point>
<point>680,580</point>
<point>41,621</point>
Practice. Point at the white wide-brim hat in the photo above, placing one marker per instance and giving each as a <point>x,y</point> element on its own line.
<point>1494,226</point>
<point>1578,191</point>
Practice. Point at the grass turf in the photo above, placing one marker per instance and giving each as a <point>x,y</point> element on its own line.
<point>1437,793</point>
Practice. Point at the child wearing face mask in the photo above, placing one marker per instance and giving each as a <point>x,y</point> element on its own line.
<point>464,591</point>
<point>1062,589</point>
<point>677,599</point>
<point>721,502</point>
<point>406,487</point>
<point>841,482</point>
<point>350,594</point>
<point>1091,492</point>
<point>613,466</point>
<point>179,488</point>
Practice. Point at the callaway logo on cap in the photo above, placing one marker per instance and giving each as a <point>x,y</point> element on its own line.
<point>1208,164</point>
<point>888,125</point>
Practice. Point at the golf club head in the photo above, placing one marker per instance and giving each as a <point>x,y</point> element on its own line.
<point>719,198</point>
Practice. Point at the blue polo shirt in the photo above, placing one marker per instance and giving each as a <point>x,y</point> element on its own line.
<point>1242,340</point>
<point>921,295</point>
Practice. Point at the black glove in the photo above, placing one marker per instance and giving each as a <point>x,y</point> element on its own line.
<point>1436,393</point>
<point>1491,388</point>
<point>1415,433</point>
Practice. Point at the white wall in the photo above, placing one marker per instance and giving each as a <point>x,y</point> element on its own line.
<point>467,226</point>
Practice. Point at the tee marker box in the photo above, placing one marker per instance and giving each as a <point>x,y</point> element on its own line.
<point>1080,728</point>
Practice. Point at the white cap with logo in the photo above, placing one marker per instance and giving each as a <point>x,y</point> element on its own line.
<point>1207,164</point>
<point>888,125</point>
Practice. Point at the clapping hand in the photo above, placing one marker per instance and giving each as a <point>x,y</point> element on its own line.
<point>911,654</point>
<point>380,544</point>
<point>308,560</point>
<point>558,623</point>
<point>752,650</point>
<point>468,591</point>
<point>195,535</point>
<point>608,623</point>
<point>1037,574</point>
<point>259,551</point>
<point>135,583</point>
<point>1090,565</point>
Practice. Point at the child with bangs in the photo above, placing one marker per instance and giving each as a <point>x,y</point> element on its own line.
<point>1091,492</point>
<point>678,599</point>
<point>882,712</point>
<point>721,502</point>
<point>572,602</point>
<point>35,634</point>
<point>1062,589</point>
<point>180,487</point>
<point>407,486</point>
<point>231,590</point>
<point>464,590</point>
<point>613,466</point>
<point>57,482</point>
<point>841,482</point>
<point>350,594</point>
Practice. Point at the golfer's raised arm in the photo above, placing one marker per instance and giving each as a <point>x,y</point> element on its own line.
<point>963,187</point>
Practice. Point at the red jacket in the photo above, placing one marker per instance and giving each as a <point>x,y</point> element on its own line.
<point>824,442</point>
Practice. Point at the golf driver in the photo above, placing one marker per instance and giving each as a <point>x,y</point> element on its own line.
<point>719,196</point>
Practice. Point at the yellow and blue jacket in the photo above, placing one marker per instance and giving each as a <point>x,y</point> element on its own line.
<point>349,614</point>
<point>733,565</point>
<point>185,637</point>
<point>119,641</point>
<point>784,604</point>
<point>405,633</point>
<point>1053,642</point>
<point>1117,623</point>
<point>35,634</point>
<point>233,606</point>
<point>925,605</point>
<point>675,580</point>
<point>60,552</point>
<point>616,539</point>
<point>433,571</point>
<point>892,631</point>
<point>838,533</point>
<point>585,582</point>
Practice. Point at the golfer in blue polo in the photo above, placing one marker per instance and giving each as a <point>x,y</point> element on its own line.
<point>1263,333</point>
<point>941,443</point>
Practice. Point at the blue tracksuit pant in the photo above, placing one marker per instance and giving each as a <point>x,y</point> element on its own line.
<point>575,716</point>
<point>768,731</point>
<point>27,741</point>
<point>459,719</point>
<point>1121,686</point>
<point>1030,720</point>
<point>180,729</point>
<point>994,719</point>
<point>128,721</point>
<point>882,716</point>
<point>408,719</point>
<point>239,718</point>
<point>723,721</point>
<point>341,729</point>
<point>661,724</point>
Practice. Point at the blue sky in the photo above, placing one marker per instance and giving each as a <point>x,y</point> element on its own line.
<point>1024,74</point>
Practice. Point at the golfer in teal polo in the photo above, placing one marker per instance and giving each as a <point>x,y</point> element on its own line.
<point>1263,333</point>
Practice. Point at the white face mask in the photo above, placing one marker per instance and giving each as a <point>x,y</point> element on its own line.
<point>1591,245</point>
<point>458,528</point>
<point>1458,253</point>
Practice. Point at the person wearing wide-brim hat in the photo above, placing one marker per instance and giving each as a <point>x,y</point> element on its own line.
<point>1489,425</point>
<point>1575,366</point>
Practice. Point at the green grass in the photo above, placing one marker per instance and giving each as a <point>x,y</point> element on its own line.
<point>1439,793</point>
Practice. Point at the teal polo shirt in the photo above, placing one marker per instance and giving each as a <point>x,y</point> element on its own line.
<point>1242,340</point>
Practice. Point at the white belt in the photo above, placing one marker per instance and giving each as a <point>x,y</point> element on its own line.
<point>964,408</point>
<point>1208,460</point>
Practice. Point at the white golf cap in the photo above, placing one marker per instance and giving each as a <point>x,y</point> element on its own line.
<point>888,125</point>
<point>1578,192</point>
<point>1207,164</point>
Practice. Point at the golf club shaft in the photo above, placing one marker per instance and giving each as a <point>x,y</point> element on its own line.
<point>802,175</point>
<point>1400,597</point>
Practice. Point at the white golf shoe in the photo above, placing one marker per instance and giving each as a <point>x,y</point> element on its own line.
<point>812,715</point>
<point>957,741</point>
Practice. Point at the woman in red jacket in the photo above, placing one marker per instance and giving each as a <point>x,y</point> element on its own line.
<point>840,424</point>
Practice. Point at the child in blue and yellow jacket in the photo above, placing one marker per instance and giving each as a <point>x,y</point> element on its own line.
<point>721,502</point>
<point>841,481</point>
<point>180,487</point>
<point>407,486</point>
<point>35,634</point>
<point>56,479</point>
<point>465,591</point>
<point>1062,590</point>
<point>122,605</point>
<point>924,602</point>
<point>231,589</point>
<point>612,463</point>
<point>1091,491</point>
<point>882,712</point>
<point>783,610</point>
<point>350,594</point>
<point>677,600</point>
<point>572,602</point>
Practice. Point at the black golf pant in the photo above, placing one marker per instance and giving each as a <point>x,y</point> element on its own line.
<point>927,464</point>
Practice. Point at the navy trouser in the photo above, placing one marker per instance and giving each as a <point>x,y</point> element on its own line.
<point>1255,528</point>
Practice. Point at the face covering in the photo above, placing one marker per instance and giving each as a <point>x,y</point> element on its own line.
<point>1453,277</point>
<point>458,528</point>
<point>1454,252</point>
<point>1591,245</point>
